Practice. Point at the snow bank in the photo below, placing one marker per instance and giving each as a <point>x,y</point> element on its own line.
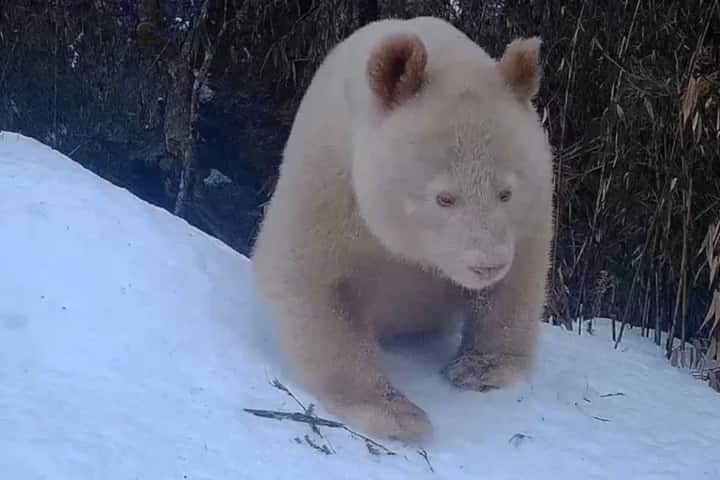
<point>130,343</point>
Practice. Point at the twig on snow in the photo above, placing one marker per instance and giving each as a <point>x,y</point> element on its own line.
<point>518,438</point>
<point>295,417</point>
<point>616,394</point>
<point>324,448</point>
<point>423,453</point>
<point>308,416</point>
<point>309,410</point>
<point>601,419</point>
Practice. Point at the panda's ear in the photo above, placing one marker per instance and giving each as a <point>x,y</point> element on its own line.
<point>396,69</point>
<point>520,67</point>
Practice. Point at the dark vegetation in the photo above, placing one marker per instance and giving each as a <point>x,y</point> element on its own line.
<point>163,96</point>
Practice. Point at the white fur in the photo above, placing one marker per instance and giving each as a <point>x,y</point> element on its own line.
<point>354,245</point>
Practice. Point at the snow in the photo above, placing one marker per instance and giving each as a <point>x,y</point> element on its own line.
<point>130,343</point>
<point>215,178</point>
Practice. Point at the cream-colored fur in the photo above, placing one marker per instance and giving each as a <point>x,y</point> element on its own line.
<point>392,211</point>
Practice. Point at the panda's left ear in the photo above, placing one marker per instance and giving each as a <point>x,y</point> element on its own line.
<point>520,67</point>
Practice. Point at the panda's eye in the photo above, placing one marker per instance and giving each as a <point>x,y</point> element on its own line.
<point>446,200</point>
<point>505,195</point>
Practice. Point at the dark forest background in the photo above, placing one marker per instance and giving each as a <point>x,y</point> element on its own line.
<point>187,103</point>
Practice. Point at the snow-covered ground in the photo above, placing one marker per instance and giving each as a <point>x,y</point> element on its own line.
<point>130,343</point>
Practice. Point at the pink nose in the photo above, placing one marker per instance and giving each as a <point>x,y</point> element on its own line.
<point>487,271</point>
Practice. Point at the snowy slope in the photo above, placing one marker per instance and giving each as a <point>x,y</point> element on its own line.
<point>130,343</point>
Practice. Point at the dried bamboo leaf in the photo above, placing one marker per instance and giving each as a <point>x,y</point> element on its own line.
<point>689,100</point>
<point>713,313</point>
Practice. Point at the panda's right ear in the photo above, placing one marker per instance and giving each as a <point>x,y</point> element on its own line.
<point>396,69</point>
